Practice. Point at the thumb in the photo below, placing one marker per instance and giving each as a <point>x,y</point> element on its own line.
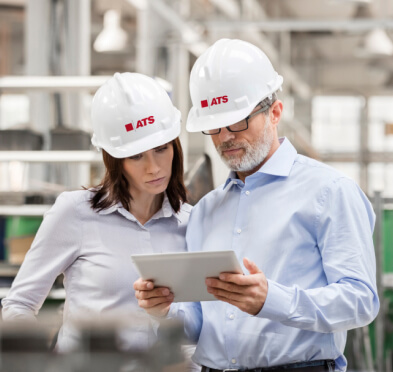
<point>251,266</point>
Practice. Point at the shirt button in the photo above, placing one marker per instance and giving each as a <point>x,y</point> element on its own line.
<point>231,316</point>
<point>233,361</point>
<point>239,231</point>
<point>247,192</point>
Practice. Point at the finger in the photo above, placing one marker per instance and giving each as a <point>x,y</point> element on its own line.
<point>251,266</point>
<point>160,310</point>
<point>223,293</point>
<point>156,292</point>
<point>238,279</point>
<point>143,285</point>
<point>156,301</point>
<point>219,284</point>
<point>230,301</point>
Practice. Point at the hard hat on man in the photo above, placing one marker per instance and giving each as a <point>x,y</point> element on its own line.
<point>226,83</point>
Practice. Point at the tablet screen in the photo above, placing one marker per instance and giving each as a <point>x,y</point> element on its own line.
<point>185,273</point>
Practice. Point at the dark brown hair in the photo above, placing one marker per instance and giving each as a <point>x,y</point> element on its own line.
<point>114,187</point>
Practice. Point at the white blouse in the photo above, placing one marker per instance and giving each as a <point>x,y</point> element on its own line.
<point>92,249</point>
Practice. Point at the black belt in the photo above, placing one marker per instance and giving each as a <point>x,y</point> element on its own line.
<point>313,366</point>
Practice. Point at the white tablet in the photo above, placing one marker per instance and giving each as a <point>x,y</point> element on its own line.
<point>185,273</point>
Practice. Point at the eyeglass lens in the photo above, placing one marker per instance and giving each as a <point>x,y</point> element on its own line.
<point>237,127</point>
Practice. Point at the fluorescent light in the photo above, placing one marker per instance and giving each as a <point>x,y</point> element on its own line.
<point>112,38</point>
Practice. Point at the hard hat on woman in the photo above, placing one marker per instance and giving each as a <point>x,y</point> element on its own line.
<point>131,113</point>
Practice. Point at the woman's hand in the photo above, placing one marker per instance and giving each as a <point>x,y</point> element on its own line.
<point>154,300</point>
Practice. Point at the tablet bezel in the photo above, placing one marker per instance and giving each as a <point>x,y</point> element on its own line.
<point>185,272</point>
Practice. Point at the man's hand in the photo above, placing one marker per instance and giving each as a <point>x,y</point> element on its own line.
<point>155,301</point>
<point>247,292</point>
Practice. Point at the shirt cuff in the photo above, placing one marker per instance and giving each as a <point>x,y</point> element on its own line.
<point>155,321</point>
<point>173,310</point>
<point>278,302</point>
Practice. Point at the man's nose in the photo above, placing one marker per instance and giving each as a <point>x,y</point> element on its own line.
<point>225,135</point>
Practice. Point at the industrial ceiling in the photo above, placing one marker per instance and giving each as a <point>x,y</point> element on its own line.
<point>321,47</point>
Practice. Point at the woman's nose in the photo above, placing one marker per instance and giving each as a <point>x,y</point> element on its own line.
<point>152,166</point>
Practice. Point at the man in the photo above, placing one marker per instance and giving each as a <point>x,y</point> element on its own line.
<point>305,229</point>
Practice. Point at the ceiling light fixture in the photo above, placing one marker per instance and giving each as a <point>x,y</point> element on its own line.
<point>112,38</point>
<point>378,43</point>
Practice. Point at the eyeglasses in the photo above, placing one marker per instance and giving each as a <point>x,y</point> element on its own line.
<point>237,127</point>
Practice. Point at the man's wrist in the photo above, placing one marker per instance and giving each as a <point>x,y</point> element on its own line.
<point>277,303</point>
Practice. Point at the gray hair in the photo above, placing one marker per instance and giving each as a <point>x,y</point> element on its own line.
<point>268,101</point>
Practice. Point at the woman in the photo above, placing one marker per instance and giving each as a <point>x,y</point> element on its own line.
<point>139,207</point>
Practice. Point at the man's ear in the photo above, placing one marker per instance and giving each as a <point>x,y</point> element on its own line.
<point>276,112</point>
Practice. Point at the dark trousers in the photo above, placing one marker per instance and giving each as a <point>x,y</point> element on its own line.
<point>313,366</point>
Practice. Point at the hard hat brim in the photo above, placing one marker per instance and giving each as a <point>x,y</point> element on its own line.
<point>205,122</point>
<point>144,144</point>
<point>218,120</point>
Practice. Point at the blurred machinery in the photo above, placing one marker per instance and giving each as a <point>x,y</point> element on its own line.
<point>26,347</point>
<point>199,179</point>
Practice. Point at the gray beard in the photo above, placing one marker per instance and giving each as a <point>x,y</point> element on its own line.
<point>254,154</point>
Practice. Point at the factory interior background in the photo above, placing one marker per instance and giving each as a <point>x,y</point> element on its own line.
<point>336,57</point>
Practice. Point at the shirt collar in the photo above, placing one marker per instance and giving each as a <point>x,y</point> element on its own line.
<point>111,209</point>
<point>166,210</point>
<point>280,163</point>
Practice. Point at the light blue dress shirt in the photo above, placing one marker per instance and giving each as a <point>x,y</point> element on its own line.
<point>309,229</point>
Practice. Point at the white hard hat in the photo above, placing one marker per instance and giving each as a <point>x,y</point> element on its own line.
<point>131,113</point>
<point>226,83</point>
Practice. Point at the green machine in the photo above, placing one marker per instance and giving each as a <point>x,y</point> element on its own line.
<point>381,330</point>
<point>388,288</point>
<point>19,234</point>
<point>371,348</point>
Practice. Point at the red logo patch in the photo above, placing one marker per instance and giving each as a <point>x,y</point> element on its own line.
<point>204,103</point>
<point>140,124</point>
<point>215,101</point>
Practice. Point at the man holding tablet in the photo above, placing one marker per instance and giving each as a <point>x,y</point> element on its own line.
<point>305,229</point>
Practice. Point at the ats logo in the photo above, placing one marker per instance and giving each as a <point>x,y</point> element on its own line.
<point>215,101</point>
<point>141,123</point>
